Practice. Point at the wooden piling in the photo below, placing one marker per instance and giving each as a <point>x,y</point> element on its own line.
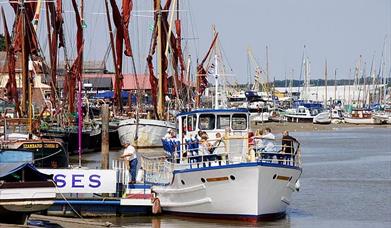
<point>105,136</point>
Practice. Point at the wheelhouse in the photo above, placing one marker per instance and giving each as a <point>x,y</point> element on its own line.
<point>212,121</point>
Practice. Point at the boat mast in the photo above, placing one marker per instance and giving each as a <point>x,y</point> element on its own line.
<point>37,14</point>
<point>26,79</point>
<point>216,84</point>
<point>160,98</point>
<point>267,72</point>
<point>24,61</point>
<point>116,70</point>
<point>79,98</point>
<point>304,90</point>
<point>188,81</point>
<point>52,84</point>
<point>325,84</point>
<point>349,85</point>
<point>197,89</point>
<point>357,81</point>
<point>335,85</point>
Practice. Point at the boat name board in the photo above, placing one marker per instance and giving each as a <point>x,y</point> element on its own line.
<point>40,145</point>
<point>83,180</point>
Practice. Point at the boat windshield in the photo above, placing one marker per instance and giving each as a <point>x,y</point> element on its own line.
<point>207,122</point>
<point>239,122</point>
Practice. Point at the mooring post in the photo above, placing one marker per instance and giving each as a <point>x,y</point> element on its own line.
<point>105,137</point>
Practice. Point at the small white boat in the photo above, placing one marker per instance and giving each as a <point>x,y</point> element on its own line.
<point>301,114</point>
<point>322,118</point>
<point>225,184</point>
<point>150,132</point>
<point>382,117</point>
<point>23,190</point>
<point>361,116</point>
<point>261,117</point>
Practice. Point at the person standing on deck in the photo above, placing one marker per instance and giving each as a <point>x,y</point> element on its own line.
<point>268,140</point>
<point>130,156</point>
<point>287,143</point>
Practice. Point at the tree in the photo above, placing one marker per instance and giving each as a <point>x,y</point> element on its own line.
<point>2,42</point>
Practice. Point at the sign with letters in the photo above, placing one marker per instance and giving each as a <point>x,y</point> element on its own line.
<point>83,180</point>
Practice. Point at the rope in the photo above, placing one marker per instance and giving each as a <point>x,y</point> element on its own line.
<point>62,195</point>
<point>50,155</point>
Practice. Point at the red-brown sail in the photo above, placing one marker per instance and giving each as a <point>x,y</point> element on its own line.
<point>122,35</point>
<point>31,40</point>
<point>201,72</point>
<point>76,69</point>
<point>127,6</point>
<point>56,41</point>
<point>12,90</point>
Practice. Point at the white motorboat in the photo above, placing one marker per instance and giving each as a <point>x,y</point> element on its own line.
<point>302,114</point>
<point>150,132</point>
<point>261,117</point>
<point>23,190</point>
<point>227,183</point>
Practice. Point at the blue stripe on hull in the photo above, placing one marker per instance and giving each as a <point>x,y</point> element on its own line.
<point>87,202</point>
<point>247,218</point>
<point>139,186</point>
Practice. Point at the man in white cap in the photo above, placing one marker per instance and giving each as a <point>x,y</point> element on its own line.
<point>130,155</point>
<point>168,135</point>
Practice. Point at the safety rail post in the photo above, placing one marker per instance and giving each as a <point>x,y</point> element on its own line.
<point>122,175</point>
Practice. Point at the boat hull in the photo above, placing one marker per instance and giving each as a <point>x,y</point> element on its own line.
<point>260,117</point>
<point>322,118</point>
<point>249,191</point>
<point>150,132</point>
<point>17,203</point>
<point>299,118</point>
<point>91,139</point>
<point>47,153</point>
<point>360,120</point>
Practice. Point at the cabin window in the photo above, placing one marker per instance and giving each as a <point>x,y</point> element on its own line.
<point>194,122</point>
<point>314,112</point>
<point>222,122</point>
<point>207,122</point>
<point>184,124</point>
<point>191,123</point>
<point>239,122</point>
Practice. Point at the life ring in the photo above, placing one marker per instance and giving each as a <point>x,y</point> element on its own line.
<point>156,209</point>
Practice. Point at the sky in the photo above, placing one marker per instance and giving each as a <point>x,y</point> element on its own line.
<point>337,30</point>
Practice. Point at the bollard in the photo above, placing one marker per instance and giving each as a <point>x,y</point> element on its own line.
<point>105,137</point>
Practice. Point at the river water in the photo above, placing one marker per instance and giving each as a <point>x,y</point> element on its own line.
<point>346,182</point>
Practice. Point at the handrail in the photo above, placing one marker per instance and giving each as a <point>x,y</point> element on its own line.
<point>234,150</point>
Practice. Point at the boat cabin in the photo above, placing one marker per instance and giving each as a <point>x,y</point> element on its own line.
<point>361,114</point>
<point>212,121</point>
<point>216,123</point>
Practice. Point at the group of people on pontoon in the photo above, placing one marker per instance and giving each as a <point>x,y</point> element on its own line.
<point>263,144</point>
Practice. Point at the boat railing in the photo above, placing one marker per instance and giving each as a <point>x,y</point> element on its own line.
<point>275,151</point>
<point>232,149</point>
<point>157,170</point>
<point>121,168</point>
